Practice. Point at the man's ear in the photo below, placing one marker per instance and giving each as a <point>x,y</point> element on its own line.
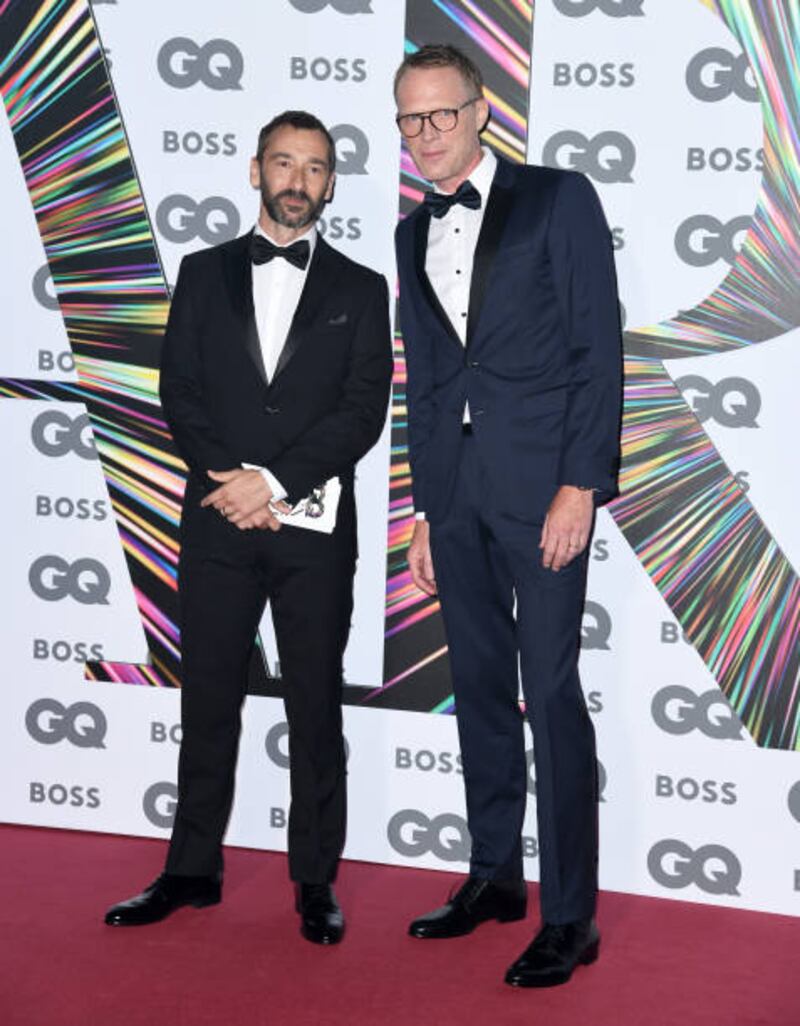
<point>255,173</point>
<point>331,188</point>
<point>483,114</point>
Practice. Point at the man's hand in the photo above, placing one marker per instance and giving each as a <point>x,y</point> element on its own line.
<point>263,519</point>
<point>419,558</point>
<point>241,494</point>
<point>566,526</point>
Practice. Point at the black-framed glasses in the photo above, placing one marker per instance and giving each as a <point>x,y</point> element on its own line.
<point>444,120</point>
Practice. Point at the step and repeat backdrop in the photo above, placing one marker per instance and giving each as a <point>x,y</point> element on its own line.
<point>125,144</point>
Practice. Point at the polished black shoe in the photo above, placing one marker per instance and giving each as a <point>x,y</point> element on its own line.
<point>321,919</point>
<point>475,902</point>
<point>163,896</point>
<point>554,953</point>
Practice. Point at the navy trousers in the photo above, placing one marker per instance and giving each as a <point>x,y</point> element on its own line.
<point>484,561</point>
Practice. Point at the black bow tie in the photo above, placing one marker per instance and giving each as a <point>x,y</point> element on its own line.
<point>262,251</point>
<point>438,203</point>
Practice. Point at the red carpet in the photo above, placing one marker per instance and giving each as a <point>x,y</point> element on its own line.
<point>243,963</point>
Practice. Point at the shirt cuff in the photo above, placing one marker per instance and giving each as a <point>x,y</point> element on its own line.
<point>420,516</point>
<point>277,489</point>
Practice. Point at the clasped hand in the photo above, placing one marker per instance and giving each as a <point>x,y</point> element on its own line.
<point>244,498</point>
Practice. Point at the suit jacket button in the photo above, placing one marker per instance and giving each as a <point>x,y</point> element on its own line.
<point>271,409</point>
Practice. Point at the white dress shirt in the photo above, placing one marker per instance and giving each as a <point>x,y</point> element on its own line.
<point>451,252</point>
<point>277,286</point>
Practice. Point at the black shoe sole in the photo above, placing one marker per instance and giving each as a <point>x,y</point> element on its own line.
<point>555,979</point>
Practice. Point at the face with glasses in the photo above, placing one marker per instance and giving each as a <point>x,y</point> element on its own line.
<point>440,118</point>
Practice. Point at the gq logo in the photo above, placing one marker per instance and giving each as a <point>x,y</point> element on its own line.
<point>793,801</point>
<point>731,402</point>
<point>87,581</point>
<point>613,8</point>
<point>352,150</point>
<point>677,710</point>
<point>179,218</point>
<point>712,868</point>
<point>218,64</point>
<point>609,157</point>
<point>82,724</point>
<point>412,833</point>
<point>56,433</point>
<point>159,804</point>
<point>715,74</point>
<point>277,745</point>
<point>702,239</point>
<point>342,6</point>
<point>595,627</point>
<point>42,284</point>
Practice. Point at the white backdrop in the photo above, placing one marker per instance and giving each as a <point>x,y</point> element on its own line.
<point>678,767</point>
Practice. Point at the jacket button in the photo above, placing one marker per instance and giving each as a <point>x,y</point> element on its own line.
<point>271,409</point>
<point>474,364</point>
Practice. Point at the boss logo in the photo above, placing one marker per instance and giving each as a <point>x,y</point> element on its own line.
<point>340,228</point>
<point>702,239</point>
<point>712,867</point>
<point>595,627</point>
<point>793,801</point>
<point>338,69</point>
<point>67,509</point>
<point>218,64</point>
<point>208,144</point>
<point>47,360</point>
<point>613,8</point>
<point>605,75</point>
<point>68,651</point>
<point>42,286</point>
<point>413,834</point>
<point>715,74</point>
<point>689,789</point>
<point>160,732</point>
<point>87,581</point>
<point>609,157</point>
<point>179,218</point>
<point>745,158</point>
<point>277,745</point>
<point>732,402</point>
<point>427,761</point>
<point>56,433</point>
<point>59,794</point>
<point>677,710</point>
<point>342,6</point>
<point>352,150</point>
<point>159,803</point>
<point>82,724</point>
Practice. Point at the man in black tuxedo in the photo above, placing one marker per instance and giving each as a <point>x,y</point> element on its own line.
<point>274,381</point>
<point>509,315</point>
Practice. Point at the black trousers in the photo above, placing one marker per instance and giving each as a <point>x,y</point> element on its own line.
<point>226,577</point>
<point>483,561</point>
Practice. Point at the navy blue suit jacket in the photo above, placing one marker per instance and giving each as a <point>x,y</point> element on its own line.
<point>542,365</point>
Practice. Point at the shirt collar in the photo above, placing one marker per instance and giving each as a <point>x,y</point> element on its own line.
<point>482,174</point>
<point>310,235</point>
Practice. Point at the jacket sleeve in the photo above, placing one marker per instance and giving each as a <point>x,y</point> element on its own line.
<point>581,252</point>
<point>180,386</point>
<point>419,387</point>
<point>340,438</point>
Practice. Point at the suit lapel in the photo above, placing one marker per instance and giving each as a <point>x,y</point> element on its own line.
<point>239,280</point>
<point>498,209</point>
<point>322,274</point>
<point>421,226</point>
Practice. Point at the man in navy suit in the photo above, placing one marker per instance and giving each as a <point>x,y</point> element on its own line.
<point>509,316</point>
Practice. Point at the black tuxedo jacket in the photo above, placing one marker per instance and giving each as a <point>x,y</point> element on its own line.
<point>542,366</point>
<point>326,403</point>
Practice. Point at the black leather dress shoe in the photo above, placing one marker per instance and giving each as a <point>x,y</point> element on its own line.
<point>475,902</point>
<point>321,919</point>
<point>163,896</point>
<point>554,953</point>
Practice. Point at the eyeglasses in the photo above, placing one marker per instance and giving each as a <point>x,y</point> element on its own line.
<point>445,120</point>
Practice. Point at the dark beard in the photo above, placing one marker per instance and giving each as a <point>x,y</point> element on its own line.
<point>271,204</point>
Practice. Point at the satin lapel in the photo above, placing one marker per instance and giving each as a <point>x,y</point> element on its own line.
<point>321,277</point>
<point>498,208</point>
<point>239,280</point>
<point>421,227</point>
